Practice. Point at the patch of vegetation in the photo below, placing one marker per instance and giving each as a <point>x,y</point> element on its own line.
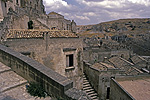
<point>36,90</point>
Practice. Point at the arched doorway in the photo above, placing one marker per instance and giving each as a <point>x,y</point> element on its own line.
<point>30,24</point>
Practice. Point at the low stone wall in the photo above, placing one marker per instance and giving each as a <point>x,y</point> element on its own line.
<point>118,93</point>
<point>92,75</point>
<point>54,83</point>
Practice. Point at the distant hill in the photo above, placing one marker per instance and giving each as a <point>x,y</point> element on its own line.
<point>121,26</point>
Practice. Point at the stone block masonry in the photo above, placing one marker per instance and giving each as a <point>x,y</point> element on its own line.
<point>55,84</point>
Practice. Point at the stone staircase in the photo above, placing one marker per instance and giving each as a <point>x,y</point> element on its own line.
<point>88,89</point>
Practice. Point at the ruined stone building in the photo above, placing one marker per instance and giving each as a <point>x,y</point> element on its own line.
<point>30,14</point>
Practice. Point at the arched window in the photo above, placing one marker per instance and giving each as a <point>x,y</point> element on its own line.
<point>10,9</point>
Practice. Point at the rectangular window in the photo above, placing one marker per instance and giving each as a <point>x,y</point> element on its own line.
<point>16,1</point>
<point>69,60</point>
<point>5,4</point>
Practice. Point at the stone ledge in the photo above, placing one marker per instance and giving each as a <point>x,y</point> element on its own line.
<point>70,68</point>
<point>69,49</point>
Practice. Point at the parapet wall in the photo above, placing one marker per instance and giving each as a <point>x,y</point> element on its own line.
<point>54,84</point>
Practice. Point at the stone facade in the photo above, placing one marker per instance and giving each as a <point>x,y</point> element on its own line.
<point>57,21</point>
<point>20,12</point>
<point>53,52</point>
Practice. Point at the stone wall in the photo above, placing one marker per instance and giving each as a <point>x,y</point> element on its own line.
<point>52,53</point>
<point>92,75</point>
<point>95,54</point>
<point>3,11</point>
<point>20,22</point>
<point>100,79</point>
<point>55,84</point>
<point>118,93</point>
<point>124,53</point>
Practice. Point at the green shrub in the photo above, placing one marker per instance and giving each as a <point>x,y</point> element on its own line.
<point>36,90</point>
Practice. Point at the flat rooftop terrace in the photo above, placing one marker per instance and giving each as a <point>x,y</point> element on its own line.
<point>137,88</point>
<point>13,86</point>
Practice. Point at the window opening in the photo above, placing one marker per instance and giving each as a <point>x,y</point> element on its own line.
<point>69,60</point>
<point>108,92</point>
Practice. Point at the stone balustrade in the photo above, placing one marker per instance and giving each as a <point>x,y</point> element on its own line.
<point>37,33</point>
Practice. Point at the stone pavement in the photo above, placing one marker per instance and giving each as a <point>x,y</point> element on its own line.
<point>12,86</point>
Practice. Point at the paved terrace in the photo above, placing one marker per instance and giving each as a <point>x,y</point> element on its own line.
<point>12,86</point>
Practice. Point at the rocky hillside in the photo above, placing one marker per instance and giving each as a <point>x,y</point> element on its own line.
<point>122,26</point>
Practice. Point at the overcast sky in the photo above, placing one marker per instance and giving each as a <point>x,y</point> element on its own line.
<point>86,12</point>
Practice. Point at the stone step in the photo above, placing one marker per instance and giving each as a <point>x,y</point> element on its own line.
<point>86,88</point>
<point>89,90</point>
<point>84,78</point>
<point>92,95</point>
<point>94,98</point>
<point>88,85</point>
<point>84,83</point>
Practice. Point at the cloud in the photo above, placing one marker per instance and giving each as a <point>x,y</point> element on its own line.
<point>113,3</point>
<point>52,5</point>
<point>82,17</point>
<point>142,2</point>
<point>89,14</point>
<point>55,2</point>
<point>96,11</point>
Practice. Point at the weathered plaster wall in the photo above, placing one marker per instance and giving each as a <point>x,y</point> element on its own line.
<point>50,52</point>
<point>20,22</point>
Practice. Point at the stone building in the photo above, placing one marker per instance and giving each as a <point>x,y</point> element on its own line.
<point>59,50</point>
<point>17,14</point>
<point>57,21</point>
<point>29,5</point>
